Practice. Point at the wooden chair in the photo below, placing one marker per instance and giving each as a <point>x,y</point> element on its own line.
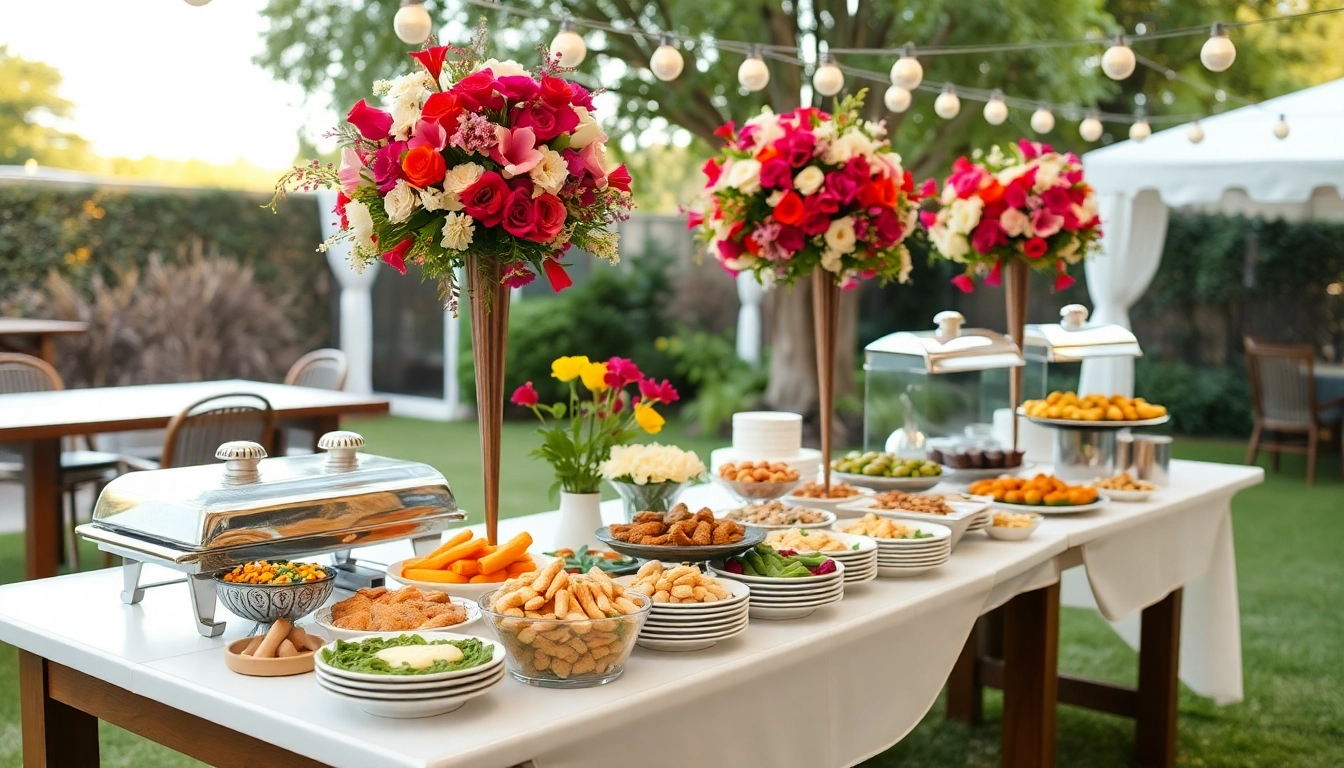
<point>195,433</point>
<point>1287,416</point>
<point>321,369</point>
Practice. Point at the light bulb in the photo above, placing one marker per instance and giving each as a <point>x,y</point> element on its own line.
<point>1196,133</point>
<point>897,99</point>
<point>1281,128</point>
<point>995,110</point>
<point>412,23</point>
<point>1218,52</point>
<point>947,105</point>
<point>568,43</point>
<point>197,3</point>
<point>1140,130</point>
<point>1118,62</point>
<point>828,79</point>
<point>907,72</point>
<point>666,62</point>
<point>753,75</point>
<point>1042,120</point>
<point>1090,129</point>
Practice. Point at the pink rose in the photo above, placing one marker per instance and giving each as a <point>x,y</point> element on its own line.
<point>550,215</point>
<point>1013,221</point>
<point>776,174</point>
<point>1044,223</point>
<point>841,186</point>
<point>582,97</point>
<point>519,218</point>
<point>1057,200</point>
<point>517,88</point>
<point>798,147</point>
<point>889,228</point>
<point>387,166</point>
<point>790,239</point>
<point>964,283</point>
<point>816,223</point>
<point>372,124</point>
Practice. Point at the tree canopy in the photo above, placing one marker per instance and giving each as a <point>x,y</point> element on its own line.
<point>30,114</point>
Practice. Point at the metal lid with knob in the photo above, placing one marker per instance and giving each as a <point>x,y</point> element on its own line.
<point>240,459</point>
<point>949,324</point>
<point>342,448</point>
<point>1073,316</point>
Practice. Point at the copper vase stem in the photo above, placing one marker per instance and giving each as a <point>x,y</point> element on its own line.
<point>826,316</point>
<point>1016,287</point>
<point>489,336</point>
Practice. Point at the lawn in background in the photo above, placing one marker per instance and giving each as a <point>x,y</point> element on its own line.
<point>1290,562</point>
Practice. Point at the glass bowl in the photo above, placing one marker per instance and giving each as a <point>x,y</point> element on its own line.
<point>567,653</point>
<point>758,491</point>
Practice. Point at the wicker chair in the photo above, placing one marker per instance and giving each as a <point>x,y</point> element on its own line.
<point>195,433</point>
<point>25,373</point>
<point>320,369</point>
<point>1287,416</point>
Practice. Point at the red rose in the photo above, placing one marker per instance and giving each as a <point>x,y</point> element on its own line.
<point>373,124</point>
<point>525,396</point>
<point>517,88</point>
<point>878,193</point>
<point>520,220</point>
<point>432,59</point>
<point>484,200</point>
<point>423,166</point>
<point>560,280</point>
<point>1035,248</point>
<point>442,108</point>
<point>550,217</point>
<point>964,283</point>
<point>546,121</point>
<point>620,178</point>
<point>477,91</point>
<point>396,258</point>
<point>556,91</point>
<point>789,210</point>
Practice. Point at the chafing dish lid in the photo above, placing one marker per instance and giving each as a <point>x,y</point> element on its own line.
<point>947,349</point>
<point>1073,339</point>
<point>250,498</point>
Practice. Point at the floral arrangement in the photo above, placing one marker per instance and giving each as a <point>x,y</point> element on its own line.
<point>1030,203</point>
<point>473,155</point>
<point>578,435</point>
<point>644,464</point>
<point>792,193</point>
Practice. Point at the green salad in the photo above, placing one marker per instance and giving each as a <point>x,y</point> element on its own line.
<point>362,655</point>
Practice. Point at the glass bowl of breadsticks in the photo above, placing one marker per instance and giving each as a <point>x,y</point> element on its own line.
<point>565,630</point>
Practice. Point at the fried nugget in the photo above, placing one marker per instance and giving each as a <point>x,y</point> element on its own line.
<point>704,534</point>
<point>442,620</point>
<point>704,516</point>
<point>678,513</point>
<point>680,539</point>
<point>404,595</point>
<point>722,532</point>
<point>647,517</point>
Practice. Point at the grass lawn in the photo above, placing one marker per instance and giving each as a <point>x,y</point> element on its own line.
<point>1291,579</point>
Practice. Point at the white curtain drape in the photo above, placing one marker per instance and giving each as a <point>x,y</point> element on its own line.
<point>356,301</point>
<point>1133,231</point>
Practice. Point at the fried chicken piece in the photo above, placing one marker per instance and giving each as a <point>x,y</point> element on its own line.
<point>680,539</point>
<point>372,593</point>
<point>723,532</point>
<point>405,595</point>
<point>649,529</point>
<point>435,597</point>
<point>704,534</point>
<point>395,617</point>
<point>444,620</point>
<point>678,513</point>
<point>656,541</point>
<point>357,620</point>
<point>648,517</point>
<point>704,516</point>
<point>357,604</point>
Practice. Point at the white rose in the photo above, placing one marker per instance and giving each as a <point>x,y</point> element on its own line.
<point>401,202</point>
<point>852,144</point>
<point>1070,253</point>
<point>549,175</point>
<point>405,114</point>
<point>965,214</point>
<point>952,244</point>
<point>840,235</point>
<point>741,263</point>
<point>503,68</point>
<point>458,178</point>
<point>1047,172</point>
<point>745,176</point>
<point>809,180</point>
<point>1012,172</point>
<point>767,128</point>
<point>361,224</point>
<point>587,131</point>
<point>1087,210</point>
<point>888,164</point>
<point>831,261</point>
<point>1014,222</point>
<point>774,198</point>
<point>458,230</point>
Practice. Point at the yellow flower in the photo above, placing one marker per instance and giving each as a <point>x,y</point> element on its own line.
<point>568,368</point>
<point>593,375</point>
<point>649,419</point>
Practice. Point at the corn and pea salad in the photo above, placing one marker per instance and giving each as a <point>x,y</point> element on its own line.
<point>275,572</point>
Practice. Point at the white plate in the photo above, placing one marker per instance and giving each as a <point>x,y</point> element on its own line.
<point>404,710</point>
<point>1127,496</point>
<point>959,520</point>
<point>970,474</point>
<point>899,573</point>
<point>1081,424</point>
<point>822,597</point>
<point>496,658</point>
<point>323,618</point>
<point>347,688</point>
<point>1004,533</point>
<point>689,644</point>
<point>472,592</point>
<point>706,633</point>
<point>465,681</point>
<point>829,505</point>
<point>782,614</point>
<point>1043,509</point>
<point>866,543</point>
<point>678,617</point>
<point>694,626</point>
<point>737,590</point>
<point>829,517</point>
<point>890,483</point>
<point>752,581</point>
<point>940,532</point>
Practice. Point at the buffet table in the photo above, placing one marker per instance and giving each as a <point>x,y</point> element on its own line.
<point>832,689</point>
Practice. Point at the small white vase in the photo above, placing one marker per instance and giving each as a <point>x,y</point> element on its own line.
<point>580,517</point>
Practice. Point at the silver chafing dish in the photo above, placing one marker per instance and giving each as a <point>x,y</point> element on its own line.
<point>204,519</point>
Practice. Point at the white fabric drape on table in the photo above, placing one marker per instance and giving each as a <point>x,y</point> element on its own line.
<point>1133,231</point>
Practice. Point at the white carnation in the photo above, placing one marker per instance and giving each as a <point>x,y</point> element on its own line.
<point>831,261</point>
<point>809,180</point>
<point>840,235</point>
<point>852,144</point>
<point>745,176</point>
<point>432,199</point>
<point>361,224</point>
<point>503,68</point>
<point>652,463</point>
<point>549,175</point>
<point>963,215</point>
<point>458,230</point>
<point>401,202</point>
<point>458,178</point>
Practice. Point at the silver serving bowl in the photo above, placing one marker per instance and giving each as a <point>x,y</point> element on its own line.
<point>264,603</point>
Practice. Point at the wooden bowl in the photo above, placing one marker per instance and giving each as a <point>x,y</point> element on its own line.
<point>277,667</point>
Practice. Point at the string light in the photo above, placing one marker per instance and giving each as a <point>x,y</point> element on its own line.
<point>1218,52</point>
<point>753,75</point>
<point>568,43</point>
<point>907,72</point>
<point>1118,62</point>
<point>1140,130</point>
<point>1196,133</point>
<point>1042,120</point>
<point>412,23</point>
<point>1281,128</point>
<point>897,99</point>
<point>996,111</point>
<point>947,105</point>
<point>1091,128</point>
<point>828,79</point>
<point>666,62</point>
<point>198,3</point>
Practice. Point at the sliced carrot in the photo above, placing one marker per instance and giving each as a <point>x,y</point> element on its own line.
<point>489,578</point>
<point>461,537</point>
<point>465,567</point>
<point>515,549</point>
<point>460,552</point>
<point>489,549</point>
<point>440,577</point>
<point>520,567</point>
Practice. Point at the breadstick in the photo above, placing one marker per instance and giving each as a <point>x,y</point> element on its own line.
<point>278,631</point>
<point>252,645</point>
<point>560,581</point>
<point>286,649</point>
<point>562,603</point>
<point>313,642</point>
<point>586,601</point>
<point>298,636</point>
<point>543,579</point>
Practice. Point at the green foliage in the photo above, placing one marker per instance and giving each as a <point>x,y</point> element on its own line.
<point>1202,401</point>
<point>724,383</point>
<point>30,110</point>
<point>576,438</point>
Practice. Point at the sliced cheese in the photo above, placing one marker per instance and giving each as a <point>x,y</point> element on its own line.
<point>419,656</point>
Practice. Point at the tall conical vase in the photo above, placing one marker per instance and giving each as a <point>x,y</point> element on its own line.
<point>826,316</point>
<point>1016,284</point>
<point>489,336</point>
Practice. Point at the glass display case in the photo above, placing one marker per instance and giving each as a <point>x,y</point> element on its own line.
<point>1059,350</point>
<point>935,385</point>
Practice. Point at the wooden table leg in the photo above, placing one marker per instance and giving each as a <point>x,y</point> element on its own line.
<point>965,695</point>
<point>42,506</point>
<point>1159,659</point>
<point>46,348</point>
<point>55,735</point>
<point>325,424</point>
<point>1030,684</point>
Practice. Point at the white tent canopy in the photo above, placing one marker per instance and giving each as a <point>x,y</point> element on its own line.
<point>1239,167</point>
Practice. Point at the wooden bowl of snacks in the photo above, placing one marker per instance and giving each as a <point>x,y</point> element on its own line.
<point>1013,526</point>
<point>284,650</point>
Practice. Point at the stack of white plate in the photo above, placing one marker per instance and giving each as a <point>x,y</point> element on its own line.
<point>983,520</point>
<point>791,598</point>
<point>410,696</point>
<point>694,626</point>
<point>861,563</point>
<point>908,557</point>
